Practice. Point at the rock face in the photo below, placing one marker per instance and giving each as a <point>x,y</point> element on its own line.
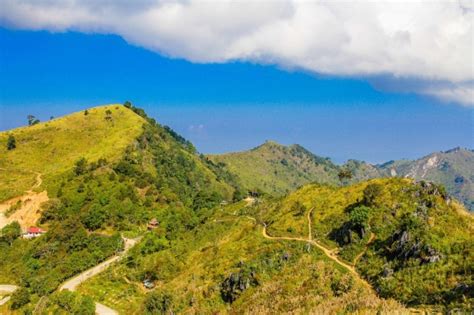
<point>237,283</point>
<point>405,247</point>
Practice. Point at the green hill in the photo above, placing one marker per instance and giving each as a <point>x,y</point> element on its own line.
<point>409,240</point>
<point>400,239</point>
<point>51,148</point>
<point>105,173</point>
<point>277,169</point>
<point>376,246</point>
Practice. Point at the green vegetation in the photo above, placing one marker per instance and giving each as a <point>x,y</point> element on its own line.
<point>276,169</point>
<point>52,148</point>
<point>112,172</point>
<point>11,142</point>
<point>227,266</point>
<point>422,253</point>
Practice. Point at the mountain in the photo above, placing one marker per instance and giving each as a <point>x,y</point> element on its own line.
<point>454,169</point>
<point>365,248</point>
<point>85,178</point>
<point>130,216</point>
<point>277,169</point>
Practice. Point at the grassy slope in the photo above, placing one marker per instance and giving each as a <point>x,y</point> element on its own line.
<point>52,147</point>
<point>192,273</point>
<point>275,168</point>
<point>448,229</point>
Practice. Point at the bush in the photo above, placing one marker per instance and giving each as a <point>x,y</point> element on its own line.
<point>341,284</point>
<point>20,298</point>
<point>11,143</point>
<point>371,192</point>
<point>153,243</point>
<point>158,303</point>
<point>80,166</point>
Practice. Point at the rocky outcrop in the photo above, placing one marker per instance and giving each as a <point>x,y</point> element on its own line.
<point>236,283</point>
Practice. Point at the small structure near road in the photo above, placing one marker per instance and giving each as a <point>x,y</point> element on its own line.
<point>33,232</point>
<point>153,224</point>
<point>147,283</point>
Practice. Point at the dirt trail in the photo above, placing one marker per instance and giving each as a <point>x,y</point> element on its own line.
<point>310,236</point>
<point>29,210</point>
<point>328,252</point>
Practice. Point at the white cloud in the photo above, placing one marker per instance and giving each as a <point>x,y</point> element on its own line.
<point>426,40</point>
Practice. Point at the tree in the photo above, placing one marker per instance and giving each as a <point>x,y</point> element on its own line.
<point>95,217</point>
<point>11,142</point>
<point>108,115</point>
<point>32,120</point>
<point>80,166</point>
<point>344,173</point>
<point>359,217</point>
<point>10,232</point>
<point>86,112</point>
<point>127,104</point>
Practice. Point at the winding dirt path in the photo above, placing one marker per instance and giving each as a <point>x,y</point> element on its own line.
<point>328,252</point>
<point>331,254</point>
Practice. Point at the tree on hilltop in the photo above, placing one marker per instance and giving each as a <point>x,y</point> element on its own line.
<point>32,120</point>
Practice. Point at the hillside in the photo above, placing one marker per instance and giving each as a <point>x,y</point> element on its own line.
<point>98,193</point>
<point>407,239</point>
<point>277,169</point>
<point>171,229</point>
<point>320,249</point>
<point>51,148</point>
<point>454,169</point>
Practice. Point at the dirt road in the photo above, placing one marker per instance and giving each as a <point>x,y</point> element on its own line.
<point>4,290</point>
<point>74,282</point>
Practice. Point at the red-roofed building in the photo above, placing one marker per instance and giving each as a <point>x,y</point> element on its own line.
<point>33,232</point>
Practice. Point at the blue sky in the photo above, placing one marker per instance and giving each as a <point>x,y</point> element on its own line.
<point>223,107</point>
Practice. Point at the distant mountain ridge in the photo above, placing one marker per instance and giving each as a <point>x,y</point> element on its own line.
<point>275,168</point>
<point>453,168</point>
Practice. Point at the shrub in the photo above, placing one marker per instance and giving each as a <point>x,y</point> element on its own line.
<point>158,303</point>
<point>341,284</point>
<point>371,192</point>
<point>20,298</point>
<point>11,143</point>
<point>80,166</point>
<point>10,232</point>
